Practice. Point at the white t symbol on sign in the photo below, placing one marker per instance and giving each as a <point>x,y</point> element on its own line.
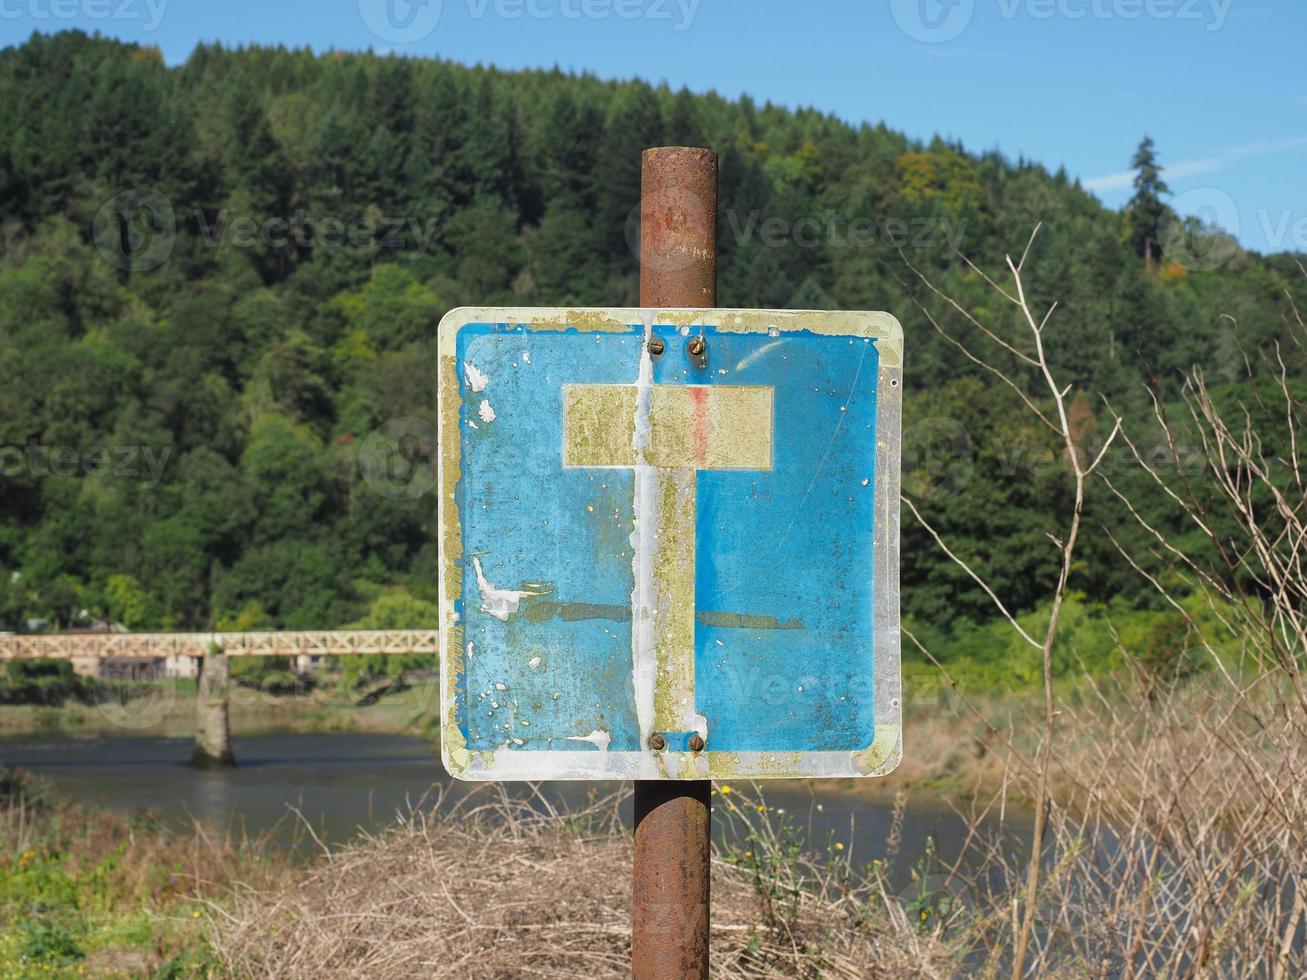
<point>666,434</point>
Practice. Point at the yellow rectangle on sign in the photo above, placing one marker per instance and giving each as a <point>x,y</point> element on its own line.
<point>702,427</point>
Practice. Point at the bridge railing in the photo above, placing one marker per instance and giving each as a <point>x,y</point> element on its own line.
<point>257,643</point>
<point>197,650</point>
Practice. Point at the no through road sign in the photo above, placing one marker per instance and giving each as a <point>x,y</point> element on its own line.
<point>669,543</point>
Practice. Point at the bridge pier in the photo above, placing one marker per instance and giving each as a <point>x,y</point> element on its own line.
<point>212,725</point>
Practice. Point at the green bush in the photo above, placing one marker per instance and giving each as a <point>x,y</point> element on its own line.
<point>273,675</point>
<point>46,942</point>
<point>390,609</point>
<point>45,682</point>
<point>1097,639</point>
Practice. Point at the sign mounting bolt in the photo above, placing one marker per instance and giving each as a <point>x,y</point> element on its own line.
<point>696,743</point>
<point>657,742</point>
<point>655,346</point>
<point>695,347</point>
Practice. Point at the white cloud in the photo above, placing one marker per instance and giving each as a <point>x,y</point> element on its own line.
<point>1109,182</point>
<point>1196,168</point>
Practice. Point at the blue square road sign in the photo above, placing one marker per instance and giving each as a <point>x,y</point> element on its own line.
<point>669,543</point>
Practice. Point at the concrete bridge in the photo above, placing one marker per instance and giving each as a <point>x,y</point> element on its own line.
<point>204,656</point>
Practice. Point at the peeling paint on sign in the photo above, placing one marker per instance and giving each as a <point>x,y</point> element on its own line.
<point>671,565</point>
<point>476,380</point>
<point>500,603</point>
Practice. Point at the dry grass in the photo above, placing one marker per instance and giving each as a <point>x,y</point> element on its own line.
<point>501,889</point>
<point>1175,843</point>
<point>1170,831</point>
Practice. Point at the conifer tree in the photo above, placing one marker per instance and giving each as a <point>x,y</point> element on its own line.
<point>1146,211</point>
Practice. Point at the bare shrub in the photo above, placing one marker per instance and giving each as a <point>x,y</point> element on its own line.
<point>1170,820</point>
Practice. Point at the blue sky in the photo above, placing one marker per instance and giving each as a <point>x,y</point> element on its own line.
<point>1217,83</point>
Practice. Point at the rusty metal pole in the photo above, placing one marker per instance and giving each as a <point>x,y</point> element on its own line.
<point>670,888</point>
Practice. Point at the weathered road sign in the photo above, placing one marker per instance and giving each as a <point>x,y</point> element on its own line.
<point>669,543</point>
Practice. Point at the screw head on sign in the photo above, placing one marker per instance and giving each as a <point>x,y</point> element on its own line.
<point>657,742</point>
<point>655,346</point>
<point>696,743</point>
<point>695,347</point>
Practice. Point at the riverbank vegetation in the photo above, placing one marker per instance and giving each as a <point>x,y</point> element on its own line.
<point>1173,841</point>
<point>86,892</point>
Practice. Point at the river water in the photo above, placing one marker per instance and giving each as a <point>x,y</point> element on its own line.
<point>340,784</point>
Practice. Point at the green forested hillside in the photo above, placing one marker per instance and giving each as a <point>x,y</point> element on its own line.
<point>184,393</point>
